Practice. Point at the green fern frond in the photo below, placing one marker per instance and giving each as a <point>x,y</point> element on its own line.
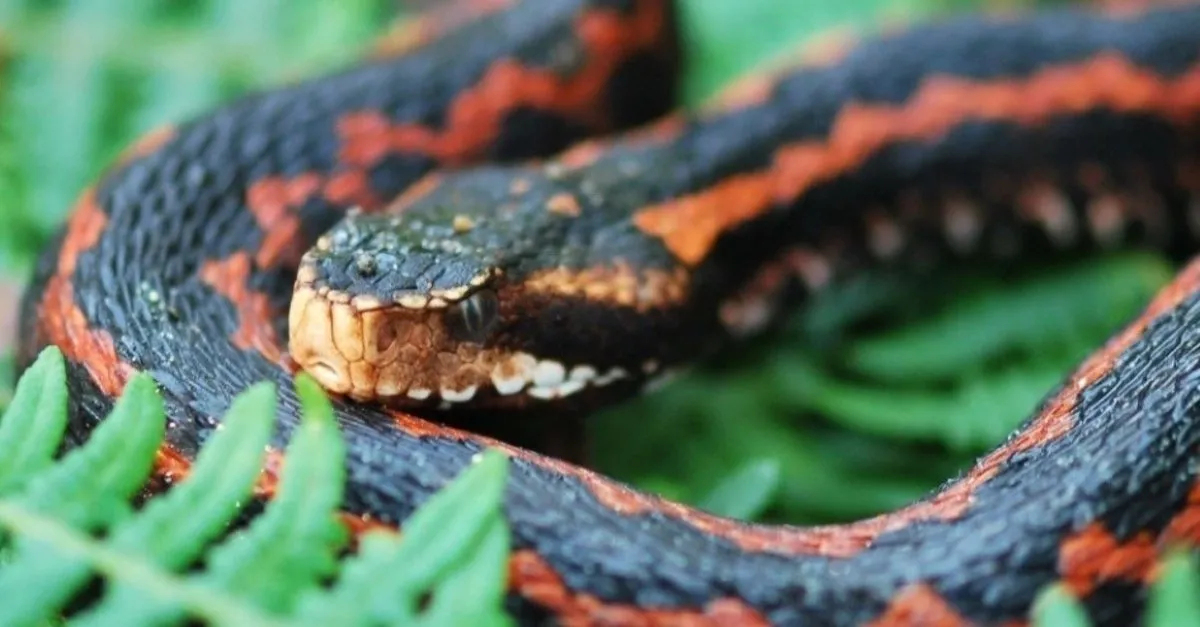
<point>72,519</point>
<point>174,529</point>
<point>6,377</point>
<point>115,461</point>
<point>1056,607</point>
<point>289,550</point>
<point>735,413</point>
<point>745,493</point>
<point>1053,312</point>
<point>471,594</point>
<point>389,580</point>
<point>1175,597</point>
<point>89,489</point>
<point>33,425</point>
<point>19,239</point>
<point>972,416</point>
<point>128,569</point>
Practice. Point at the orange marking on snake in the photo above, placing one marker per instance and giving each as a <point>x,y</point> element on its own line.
<point>1093,556</point>
<point>749,91</point>
<point>476,116</point>
<point>170,464</point>
<point>62,322</point>
<point>273,202</point>
<point>532,578</point>
<point>64,325</point>
<point>690,226</point>
<point>84,229</point>
<point>1184,528</point>
<point>918,604</point>
<point>351,188</point>
<point>228,277</point>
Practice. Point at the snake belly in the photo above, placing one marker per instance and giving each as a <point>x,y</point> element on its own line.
<point>973,136</point>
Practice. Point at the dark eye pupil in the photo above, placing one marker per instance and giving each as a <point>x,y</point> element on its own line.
<point>477,314</point>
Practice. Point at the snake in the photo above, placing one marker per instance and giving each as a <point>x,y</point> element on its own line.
<point>509,216</point>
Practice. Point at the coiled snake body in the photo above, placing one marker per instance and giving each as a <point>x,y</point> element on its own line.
<point>489,270</point>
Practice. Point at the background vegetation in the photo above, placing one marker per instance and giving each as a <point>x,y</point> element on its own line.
<point>868,399</point>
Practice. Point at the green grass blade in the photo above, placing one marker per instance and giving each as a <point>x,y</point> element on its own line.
<point>386,581</point>
<point>172,530</point>
<point>1055,607</point>
<point>88,489</point>
<point>32,428</point>
<point>746,493</point>
<point>1175,597</point>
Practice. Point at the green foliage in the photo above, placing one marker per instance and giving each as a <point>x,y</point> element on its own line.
<point>39,417</point>
<point>868,411</point>
<point>1174,599</point>
<point>745,493</point>
<point>1059,309</point>
<point>82,79</point>
<point>6,378</point>
<point>1055,607</point>
<point>175,558</point>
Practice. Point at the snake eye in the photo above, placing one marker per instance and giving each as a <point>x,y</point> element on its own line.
<point>475,316</point>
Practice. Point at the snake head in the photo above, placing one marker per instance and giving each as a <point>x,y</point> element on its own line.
<point>467,297</point>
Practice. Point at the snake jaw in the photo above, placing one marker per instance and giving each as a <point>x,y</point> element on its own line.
<point>405,357</point>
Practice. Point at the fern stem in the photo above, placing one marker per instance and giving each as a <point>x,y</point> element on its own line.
<point>215,608</point>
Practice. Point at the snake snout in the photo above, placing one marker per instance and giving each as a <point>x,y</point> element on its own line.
<point>312,344</point>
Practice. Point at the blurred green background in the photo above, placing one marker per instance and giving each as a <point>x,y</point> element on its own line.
<point>876,393</point>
